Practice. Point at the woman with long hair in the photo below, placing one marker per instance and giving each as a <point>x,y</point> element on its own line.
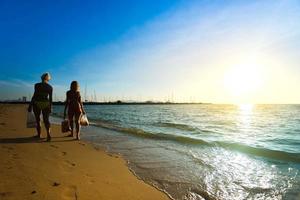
<point>75,108</point>
<point>41,102</point>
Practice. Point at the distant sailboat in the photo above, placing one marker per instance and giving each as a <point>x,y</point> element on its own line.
<point>85,93</point>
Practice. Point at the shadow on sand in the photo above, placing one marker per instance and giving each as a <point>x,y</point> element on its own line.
<point>33,140</point>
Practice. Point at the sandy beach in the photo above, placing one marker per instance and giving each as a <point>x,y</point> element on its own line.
<point>60,169</point>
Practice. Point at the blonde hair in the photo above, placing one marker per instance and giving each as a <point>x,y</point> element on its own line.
<point>45,76</point>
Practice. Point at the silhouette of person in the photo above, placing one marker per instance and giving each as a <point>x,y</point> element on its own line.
<point>41,102</point>
<point>75,108</point>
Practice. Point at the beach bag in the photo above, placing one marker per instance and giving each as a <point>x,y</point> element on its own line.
<point>84,120</point>
<point>31,123</point>
<point>65,126</point>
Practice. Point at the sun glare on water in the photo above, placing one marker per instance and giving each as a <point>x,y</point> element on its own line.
<point>246,107</point>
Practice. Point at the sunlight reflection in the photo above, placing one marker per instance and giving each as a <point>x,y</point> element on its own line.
<point>246,108</point>
<point>245,113</point>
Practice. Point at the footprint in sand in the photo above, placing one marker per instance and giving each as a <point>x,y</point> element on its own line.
<point>70,163</point>
<point>55,184</point>
<point>9,167</point>
<point>5,194</point>
<point>8,148</point>
<point>70,192</point>
<point>10,151</point>
<point>15,156</point>
<point>90,178</point>
<point>53,146</point>
<point>63,153</point>
<point>92,181</point>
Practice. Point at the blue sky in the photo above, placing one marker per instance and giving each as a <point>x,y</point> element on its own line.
<point>152,50</point>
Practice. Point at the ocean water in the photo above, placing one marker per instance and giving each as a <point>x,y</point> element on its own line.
<point>205,151</point>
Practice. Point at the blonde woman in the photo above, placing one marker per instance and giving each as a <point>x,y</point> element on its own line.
<point>41,102</point>
<point>75,108</point>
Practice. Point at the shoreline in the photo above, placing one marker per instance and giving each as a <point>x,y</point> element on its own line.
<point>63,168</point>
<point>105,148</point>
<point>194,160</point>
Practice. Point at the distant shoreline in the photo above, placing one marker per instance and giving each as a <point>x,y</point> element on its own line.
<point>108,103</point>
<point>144,103</point>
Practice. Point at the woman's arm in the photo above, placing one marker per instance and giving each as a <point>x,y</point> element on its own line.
<point>66,105</point>
<point>81,105</point>
<point>32,100</point>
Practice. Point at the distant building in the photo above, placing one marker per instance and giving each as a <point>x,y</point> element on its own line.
<point>24,99</point>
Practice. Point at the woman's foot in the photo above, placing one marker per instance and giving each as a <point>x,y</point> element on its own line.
<point>48,139</point>
<point>77,137</point>
<point>37,136</point>
<point>70,135</point>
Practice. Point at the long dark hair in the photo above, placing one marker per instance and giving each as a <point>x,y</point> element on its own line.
<point>74,86</point>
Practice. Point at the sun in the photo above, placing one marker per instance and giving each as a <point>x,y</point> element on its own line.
<point>243,81</point>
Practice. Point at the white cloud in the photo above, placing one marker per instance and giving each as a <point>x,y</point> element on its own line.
<point>16,83</point>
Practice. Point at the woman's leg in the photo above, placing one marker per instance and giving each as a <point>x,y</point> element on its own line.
<point>77,122</point>
<point>46,114</point>
<point>37,114</point>
<point>70,117</point>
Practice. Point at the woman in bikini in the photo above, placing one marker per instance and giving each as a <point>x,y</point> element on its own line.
<point>41,102</point>
<point>75,108</point>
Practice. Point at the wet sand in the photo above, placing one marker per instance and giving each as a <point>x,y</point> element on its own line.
<point>61,169</point>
